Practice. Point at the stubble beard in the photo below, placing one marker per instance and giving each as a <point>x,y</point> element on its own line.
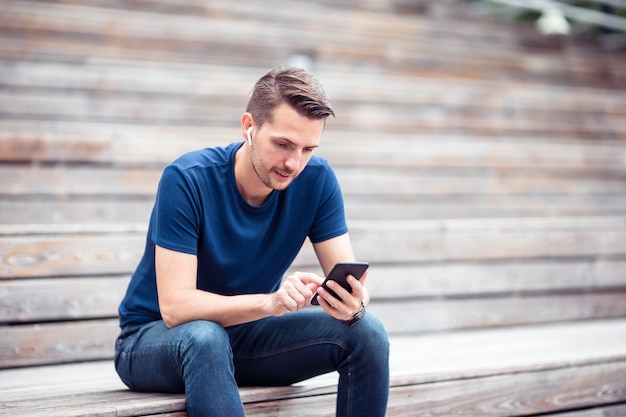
<point>264,173</point>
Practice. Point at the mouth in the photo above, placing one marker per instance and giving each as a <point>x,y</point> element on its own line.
<point>283,176</point>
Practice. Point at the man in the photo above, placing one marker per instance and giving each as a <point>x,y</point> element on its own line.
<point>207,309</point>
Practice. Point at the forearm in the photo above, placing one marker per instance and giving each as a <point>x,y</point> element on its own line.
<point>193,304</point>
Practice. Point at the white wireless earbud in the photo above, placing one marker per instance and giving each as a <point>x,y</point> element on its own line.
<point>249,137</point>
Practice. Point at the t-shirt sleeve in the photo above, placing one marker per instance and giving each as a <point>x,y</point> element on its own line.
<point>330,218</point>
<point>177,213</point>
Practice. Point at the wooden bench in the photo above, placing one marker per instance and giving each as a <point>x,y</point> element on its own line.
<point>484,182</point>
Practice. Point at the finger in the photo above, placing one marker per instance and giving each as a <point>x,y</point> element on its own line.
<point>283,302</point>
<point>308,278</point>
<point>357,287</point>
<point>328,303</point>
<point>300,292</point>
<point>350,301</point>
<point>297,296</point>
<point>341,292</point>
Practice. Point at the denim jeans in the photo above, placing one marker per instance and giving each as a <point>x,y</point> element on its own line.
<point>209,362</point>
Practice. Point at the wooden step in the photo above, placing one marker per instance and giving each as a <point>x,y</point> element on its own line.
<point>240,36</point>
<point>80,298</point>
<point>84,340</point>
<point>233,82</point>
<point>64,182</point>
<point>117,251</point>
<point>32,215</point>
<point>532,369</point>
<point>380,116</point>
<point>155,146</point>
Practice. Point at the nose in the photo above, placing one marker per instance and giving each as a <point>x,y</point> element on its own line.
<point>292,163</point>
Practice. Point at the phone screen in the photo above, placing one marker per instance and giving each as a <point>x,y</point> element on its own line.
<point>339,273</point>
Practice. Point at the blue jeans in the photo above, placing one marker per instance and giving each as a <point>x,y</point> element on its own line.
<point>209,362</point>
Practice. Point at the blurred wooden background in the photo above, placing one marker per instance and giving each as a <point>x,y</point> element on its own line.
<point>483,164</point>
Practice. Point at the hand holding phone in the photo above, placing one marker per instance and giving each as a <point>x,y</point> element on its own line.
<point>339,273</point>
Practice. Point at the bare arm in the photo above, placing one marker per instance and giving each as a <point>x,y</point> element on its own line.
<point>329,252</point>
<point>180,301</point>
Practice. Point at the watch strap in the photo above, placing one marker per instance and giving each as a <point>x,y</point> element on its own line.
<point>358,316</point>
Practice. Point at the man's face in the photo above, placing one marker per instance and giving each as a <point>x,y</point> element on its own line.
<point>281,148</point>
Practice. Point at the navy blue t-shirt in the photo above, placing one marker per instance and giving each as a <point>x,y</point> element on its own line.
<point>241,249</point>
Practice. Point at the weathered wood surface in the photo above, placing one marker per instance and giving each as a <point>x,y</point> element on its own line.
<point>375,184</point>
<point>611,411</point>
<point>244,33</point>
<point>133,73</point>
<point>44,215</point>
<point>377,241</point>
<point>393,117</point>
<point>128,84</point>
<point>485,372</point>
<point>36,344</point>
<point>404,104</point>
<point>137,145</point>
<point>32,300</point>
<point>497,240</point>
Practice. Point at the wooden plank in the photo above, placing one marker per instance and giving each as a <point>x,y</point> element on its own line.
<point>511,395</point>
<point>377,242</point>
<point>444,356</point>
<point>415,90</point>
<point>57,342</point>
<point>420,152</point>
<point>41,215</point>
<point>375,182</point>
<point>514,395</point>
<point>354,49</point>
<point>384,116</point>
<point>55,299</point>
<point>435,356</point>
<point>77,378</point>
<point>135,144</point>
<point>225,83</point>
<point>610,411</point>
<point>109,108</point>
<point>119,112</point>
<point>96,297</point>
<point>414,241</point>
<point>99,404</point>
<point>70,255</point>
<point>363,207</point>
<point>402,316</point>
<point>88,340</point>
<point>548,353</point>
<point>119,143</point>
<point>505,277</point>
<point>63,181</point>
<point>365,18</point>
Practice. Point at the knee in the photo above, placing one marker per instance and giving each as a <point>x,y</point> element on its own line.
<point>372,336</point>
<point>202,337</point>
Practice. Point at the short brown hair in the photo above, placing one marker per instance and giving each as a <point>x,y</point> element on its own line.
<point>290,85</point>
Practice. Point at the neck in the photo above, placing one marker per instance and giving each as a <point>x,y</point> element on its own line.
<point>248,183</point>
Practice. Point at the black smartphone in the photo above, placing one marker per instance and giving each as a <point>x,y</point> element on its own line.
<point>339,274</point>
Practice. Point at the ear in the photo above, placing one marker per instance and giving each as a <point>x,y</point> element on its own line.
<point>246,123</point>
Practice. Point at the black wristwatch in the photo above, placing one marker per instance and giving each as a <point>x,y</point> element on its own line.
<point>358,316</point>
